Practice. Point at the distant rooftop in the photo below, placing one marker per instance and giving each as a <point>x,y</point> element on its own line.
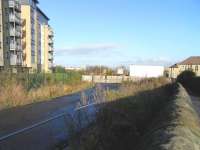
<point>193,60</point>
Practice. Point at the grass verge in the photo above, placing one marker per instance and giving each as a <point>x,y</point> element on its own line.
<point>20,90</point>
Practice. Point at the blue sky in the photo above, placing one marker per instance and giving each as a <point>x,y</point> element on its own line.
<point>115,32</point>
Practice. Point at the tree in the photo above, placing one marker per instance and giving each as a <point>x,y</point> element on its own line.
<point>59,69</point>
<point>99,70</point>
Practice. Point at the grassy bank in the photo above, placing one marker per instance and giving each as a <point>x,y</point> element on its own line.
<point>123,121</point>
<point>22,89</point>
<point>176,127</point>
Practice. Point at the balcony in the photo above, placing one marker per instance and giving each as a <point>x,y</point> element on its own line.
<point>50,49</point>
<point>12,46</point>
<point>15,5</point>
<point>12,32</point>
<point>51,34</point>
<point>15,33</point>
<point>15,60</point>
<point>50,41</point>
<point>50,57</point>
<point>11,3</point>
<point>12,18</point>
<point>18,47</point>
<point>18,19</point>
<point>50,65</point>
<point>15,47</point>
<point>15,19</point>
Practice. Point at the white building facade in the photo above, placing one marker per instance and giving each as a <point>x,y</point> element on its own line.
<point>146,71</point>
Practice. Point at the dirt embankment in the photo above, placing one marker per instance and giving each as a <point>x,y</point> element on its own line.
<point>177,127</point>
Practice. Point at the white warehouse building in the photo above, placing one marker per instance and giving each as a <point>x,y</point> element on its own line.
<point>146,71</point>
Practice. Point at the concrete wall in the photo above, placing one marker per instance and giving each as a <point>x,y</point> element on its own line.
<point>26,39</point>
<point>108,79</point>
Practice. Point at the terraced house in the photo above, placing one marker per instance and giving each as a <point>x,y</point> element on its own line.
<point>191,63</point>
<point>26,39</point>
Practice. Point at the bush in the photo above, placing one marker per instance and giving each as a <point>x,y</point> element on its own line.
<point>185,77</point>
<point>189,80</point>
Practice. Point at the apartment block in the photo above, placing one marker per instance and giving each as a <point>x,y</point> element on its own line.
<point>36,37</point>
<point>10,35</point>
<point>29,29</point>
<point>26,39</point>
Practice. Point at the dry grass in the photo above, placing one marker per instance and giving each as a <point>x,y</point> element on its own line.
<point>13,94</point>
<point>132,88</point>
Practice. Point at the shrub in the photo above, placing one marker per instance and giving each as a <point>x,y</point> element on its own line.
<point>185,77</point>
<point>189,80</point>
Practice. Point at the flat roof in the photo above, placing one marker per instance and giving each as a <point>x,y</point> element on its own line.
<point>38,9</point>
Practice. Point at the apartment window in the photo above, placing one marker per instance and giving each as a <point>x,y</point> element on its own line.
<point>196,68</point>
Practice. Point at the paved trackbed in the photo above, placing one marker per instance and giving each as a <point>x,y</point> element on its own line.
<point>196,103</point>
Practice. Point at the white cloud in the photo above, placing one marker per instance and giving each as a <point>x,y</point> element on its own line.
<point>88,49</point>
<point>149,61</point>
